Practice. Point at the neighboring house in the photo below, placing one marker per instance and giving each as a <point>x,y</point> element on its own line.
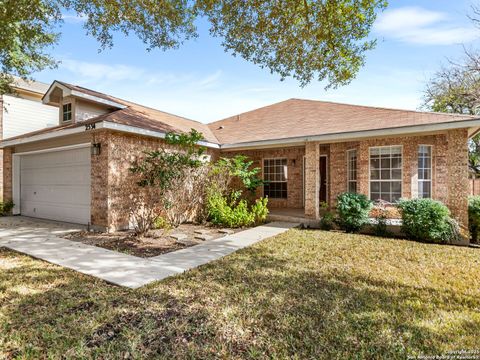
<point>23,112</point>
<point>309,151</point>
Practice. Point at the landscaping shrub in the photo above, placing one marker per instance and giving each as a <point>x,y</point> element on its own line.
<point>427,220</point>
<point>327,221</point>
<point>235,213</point>
<point>6,207</point>
<point>162,223</point>
<point>353,210</point>
<point>260,210</point>
<point>474,217</point>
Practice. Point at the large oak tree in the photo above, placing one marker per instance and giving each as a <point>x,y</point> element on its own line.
<point>303,39</point>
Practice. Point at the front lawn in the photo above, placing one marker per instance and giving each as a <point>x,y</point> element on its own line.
<point>303,294</point>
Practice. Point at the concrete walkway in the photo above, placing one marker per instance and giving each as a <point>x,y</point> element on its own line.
<point>42,239</point>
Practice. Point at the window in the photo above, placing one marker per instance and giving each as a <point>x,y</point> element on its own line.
<point>424,171</point>
<point>67,112</point>
<point>386,173</point>
<point>275,175</point>
<point>352,171</point>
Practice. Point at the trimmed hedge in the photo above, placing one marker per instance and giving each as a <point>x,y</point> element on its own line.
<point>428,220</point>
<point>352,211</point>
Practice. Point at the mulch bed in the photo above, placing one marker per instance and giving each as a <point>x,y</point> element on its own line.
<point>157,242</point>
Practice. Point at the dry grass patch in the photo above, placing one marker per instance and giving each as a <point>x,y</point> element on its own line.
<point>302,294</point>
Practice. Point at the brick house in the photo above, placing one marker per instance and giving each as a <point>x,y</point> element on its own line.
<point>309,151</point>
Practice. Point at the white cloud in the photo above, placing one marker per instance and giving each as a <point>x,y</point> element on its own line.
<point>100,72</point>
<point>417,25</point>
<point>74,19</point>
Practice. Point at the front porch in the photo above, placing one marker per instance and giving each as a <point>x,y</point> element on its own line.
<point>295,215</point>
<point>303,180</point>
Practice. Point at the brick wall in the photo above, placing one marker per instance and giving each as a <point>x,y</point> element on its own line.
<point>294,156</point>
<point>449,168</point>
<point>7,174</point>
<point>111,178</point>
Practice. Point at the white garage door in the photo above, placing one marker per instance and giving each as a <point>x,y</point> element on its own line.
<point>56,185</point>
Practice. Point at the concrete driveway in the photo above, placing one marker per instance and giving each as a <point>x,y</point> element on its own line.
<point>42,239</point>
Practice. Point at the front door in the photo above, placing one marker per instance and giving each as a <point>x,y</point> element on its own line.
<point>323,178</point>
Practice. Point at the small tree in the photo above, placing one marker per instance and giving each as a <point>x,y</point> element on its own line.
<point>163,173</point>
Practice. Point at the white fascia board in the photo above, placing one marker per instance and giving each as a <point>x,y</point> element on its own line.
<point>145,132</point>
<point>46,136</point>
<point>99,125</point>
<point>97,99</point>
<point>355,135</point>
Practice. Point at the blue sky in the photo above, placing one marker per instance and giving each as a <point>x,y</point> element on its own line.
<point>202,82</point>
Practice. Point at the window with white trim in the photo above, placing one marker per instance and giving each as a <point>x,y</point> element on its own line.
<point>275,176</point>
<point>425,171</point>
<point>352,171</point>
<point>67,112</point>
<point>386,173</point>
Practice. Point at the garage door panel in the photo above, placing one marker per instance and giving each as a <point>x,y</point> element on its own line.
<point>67,213</point>
<point>56,185</point>
<point>56,158</point>
<point>64,175</point>
<point>56,194</point>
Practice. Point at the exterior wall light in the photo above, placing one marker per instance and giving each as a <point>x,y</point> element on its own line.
<point>95,149</point>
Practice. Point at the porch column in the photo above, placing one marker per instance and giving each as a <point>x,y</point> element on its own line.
<point>312,180</point>
<point>363,161</point>
<point>457,181</point>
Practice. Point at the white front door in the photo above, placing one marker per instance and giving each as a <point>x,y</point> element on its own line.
<point>56,185</point>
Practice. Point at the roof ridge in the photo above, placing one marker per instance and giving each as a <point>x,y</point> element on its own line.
<point>383,108</point>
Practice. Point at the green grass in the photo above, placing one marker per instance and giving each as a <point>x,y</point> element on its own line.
<point>303,294</point>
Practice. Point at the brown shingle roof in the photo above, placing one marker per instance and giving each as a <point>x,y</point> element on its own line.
<point>298,118</point>
<point>138,116</point>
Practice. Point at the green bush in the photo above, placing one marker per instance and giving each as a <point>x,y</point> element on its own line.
<point>474,217</point>
<point>162,223</point>
<point>353,210</point>
<point>235,213</point>
<point>427,220</point>
<point>260,210</point>
<point>6,207</point>
<point>327,221</point>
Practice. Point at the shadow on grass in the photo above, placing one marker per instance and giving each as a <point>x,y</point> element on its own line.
<point>254,304</point>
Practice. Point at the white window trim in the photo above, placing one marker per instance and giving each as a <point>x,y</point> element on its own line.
<point>431,171</point>
<point>63,112</point>
<point>348,169</point>
<point>326,174</point>
<point>401,170</point>
<point>263,175</point>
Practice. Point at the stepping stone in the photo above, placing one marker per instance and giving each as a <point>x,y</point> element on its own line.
<point>226,231</point>
<point>179,236</point>
<point>204,237</point>
<point>202,231</point>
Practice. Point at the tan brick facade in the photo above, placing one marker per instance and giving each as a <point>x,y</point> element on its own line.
<point>111,175</point>
<point>294,156</point>
<point>449,169</point>
<point>110,171</point>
